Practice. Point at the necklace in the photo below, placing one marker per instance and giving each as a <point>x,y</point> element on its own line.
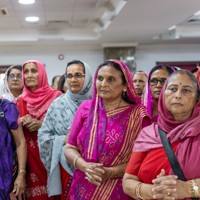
<point>112,106</point>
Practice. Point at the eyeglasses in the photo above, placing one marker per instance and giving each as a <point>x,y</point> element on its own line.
<point>13,76</point>
<point>77,75</point>
<point>154,81</point>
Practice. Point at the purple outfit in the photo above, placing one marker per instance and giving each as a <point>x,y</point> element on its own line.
<point>6,150</point>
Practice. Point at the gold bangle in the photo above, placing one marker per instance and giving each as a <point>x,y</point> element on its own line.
<point>22,171</point>
<point>137,190</point>
<point>75,160</point>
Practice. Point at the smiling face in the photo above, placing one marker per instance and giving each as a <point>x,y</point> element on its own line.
<point>31,76</point>
<point>157,81</point>
<point>109,83</point>
<point>180,96</point>
<point>75,77</point>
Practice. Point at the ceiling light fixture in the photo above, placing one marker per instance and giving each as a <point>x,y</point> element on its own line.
<point>26,1</point>
<point>197,13</point>
<point>172,28</point>
<point>32,19</point>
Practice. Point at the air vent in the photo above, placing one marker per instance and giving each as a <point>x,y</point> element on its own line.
<point>58,24</point>
<point>4,11</point>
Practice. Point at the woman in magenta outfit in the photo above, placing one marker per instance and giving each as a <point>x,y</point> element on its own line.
<point>157,77</point>
<point>103,133</point>
<point>149,174</point>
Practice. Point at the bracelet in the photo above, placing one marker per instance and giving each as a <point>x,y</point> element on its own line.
<point>137,190</point>
<point>75,161</point>
<point>22,171</point>
<point>194,189</point>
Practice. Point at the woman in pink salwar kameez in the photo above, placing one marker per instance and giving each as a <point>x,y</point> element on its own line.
<point>102,134</point>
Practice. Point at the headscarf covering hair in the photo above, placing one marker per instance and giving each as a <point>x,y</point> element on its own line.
<point>2,87</point>
<point>166,120</point>
<point>185,132</point>
<point>86,89</point>
<point>8,94</point>
<point>97,112</point>
<point>148,99</point>
<point>40,99</point>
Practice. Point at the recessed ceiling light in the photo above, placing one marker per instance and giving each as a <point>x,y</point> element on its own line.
<point>26,1</point>
<point>32,19</point>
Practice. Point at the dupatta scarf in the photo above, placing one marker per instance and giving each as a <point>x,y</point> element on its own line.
<point>105,137</point>
<point>148,98</point>
<point>97,113</point>
<point>40,99</point>
<point>7,93</point>
<point>185,132</point>
<point>55,128</point>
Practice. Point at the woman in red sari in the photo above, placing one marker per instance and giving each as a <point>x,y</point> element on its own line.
<point>103,133</point>
<point>36,98</point>
<point>149,174</point>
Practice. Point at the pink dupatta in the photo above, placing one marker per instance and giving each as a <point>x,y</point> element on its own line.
<point>186,133</point>
<point>39,100</point>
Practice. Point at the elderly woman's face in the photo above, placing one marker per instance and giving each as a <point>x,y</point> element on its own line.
<point>75,77</point>
<point>31,76</point>
<point>157,81</point>
<point>180,97</point>
<point>109,83</point>
<point>15,80</point>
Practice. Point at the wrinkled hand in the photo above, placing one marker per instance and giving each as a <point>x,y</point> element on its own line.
<point>165,186</point>
<point>96,173</point>
<point>30,123</point>
<point>19,185</point>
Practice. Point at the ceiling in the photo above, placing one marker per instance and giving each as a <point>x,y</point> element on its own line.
<point>98,23</point>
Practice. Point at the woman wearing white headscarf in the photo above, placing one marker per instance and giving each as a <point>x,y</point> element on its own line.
<point>57,123</point>
<point>13,83</point>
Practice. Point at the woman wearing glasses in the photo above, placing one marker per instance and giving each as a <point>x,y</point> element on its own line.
<point>36,97</point>
<point>13,83</point>
<point>157,77</point>
<point>57,123</point>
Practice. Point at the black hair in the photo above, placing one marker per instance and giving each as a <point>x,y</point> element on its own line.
<point>76,62</point>
<point>190,76</point>
<point>18,67</point>
<point>54,78</point>
<point>61,83</point>
<point>194,70</point>
<point>117,67</point>
<point>169,69</point>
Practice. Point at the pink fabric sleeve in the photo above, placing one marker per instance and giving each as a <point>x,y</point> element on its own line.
<point>78,123</point>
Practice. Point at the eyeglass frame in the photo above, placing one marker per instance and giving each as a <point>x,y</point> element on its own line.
<point>77,75</point>
<point>13,76</point>
<point>161,81</point>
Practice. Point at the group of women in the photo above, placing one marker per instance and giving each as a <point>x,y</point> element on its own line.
<point>105,144</point>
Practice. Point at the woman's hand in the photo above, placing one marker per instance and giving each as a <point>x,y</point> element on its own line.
<point>19,184</point>
<point>96,173</point>
<point>30,123</point>
<point>165,186</point>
